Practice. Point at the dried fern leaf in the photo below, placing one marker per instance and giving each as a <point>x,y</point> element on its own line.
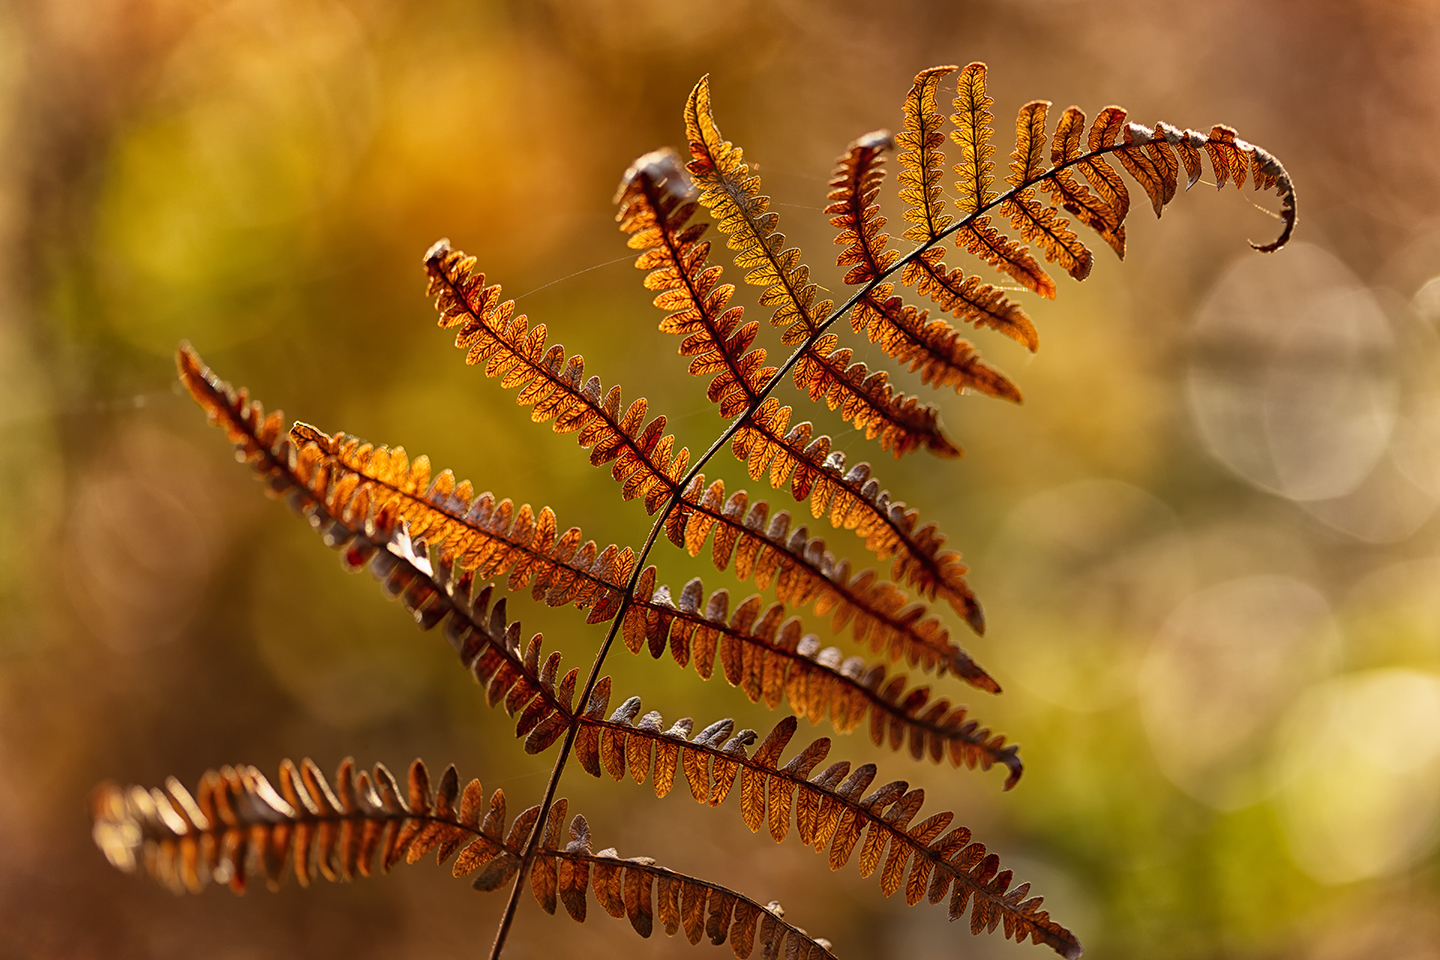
<point>646,463</point>
<point>491,538</point>
<point>853,499</point>
<point>732,193</point>
<point>770,657</point>
<point>495,539</point>
<point>1104,213</point>
<point>655,206</point>
<point>930,347</point>
<point>1036,222</point>
<point>967,298</point>
<point>972,119</point>
<point>652,210</point>
<point>763,547</point>
<point>831,812</point>
<point>923,162</point>
<point>655,211</point>
<point>754,654</point>
<point>237,826</point>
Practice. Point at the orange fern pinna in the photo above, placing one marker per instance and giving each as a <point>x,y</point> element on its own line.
<point>446,551</point>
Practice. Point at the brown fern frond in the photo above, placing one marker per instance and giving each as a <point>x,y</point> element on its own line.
<point>853,500</point>
<point>1154,158</point>
<point>655,211</point>
<point>732,194</point>
<point>754,655</point>
<point>769,656</point>
<point>646,462</point>
<point>764,547</point>
<point>932,348</point>
<point>830,812</point>
<point>491,538</point>
<point>972,119</point>
<point>238,826</point>
<point>657,219</point>
<point>900,423</point>
<point>923,162</point>
<point>921,159</point>
<point>1037,223</point>
<point>908,335</point>
<point>1105,213</point>
<point>981,239</point>
<point>655,207</point>
<point>434,592</point>
<point>967,298</point>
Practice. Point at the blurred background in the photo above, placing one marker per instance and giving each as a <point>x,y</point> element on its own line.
<point>1206,543</point>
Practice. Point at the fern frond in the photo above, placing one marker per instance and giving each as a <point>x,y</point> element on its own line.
<point>803,571</point>
<point>854,500</point>
<point>921,160</point>
<point>1105,214</point>
<point>758,652</point>
<point>830,812</point>
<point>492,538</point>
<point>968,298</point>
<point>655,206</point>
<point>933,348</point>
<point>972,119</point>
<point>654,211</point>
<point>646,462</point>
<point>360,484</point>
<point>732,193</point>
<point>238,826</point>
<point>769,656</point>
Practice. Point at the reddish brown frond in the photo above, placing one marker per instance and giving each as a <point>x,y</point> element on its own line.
<point>854,186</point>
<point>491,539</point>
<point>922,159</point>
<point>238,826</point>
<point>656,205</point>
<point>900,423</point>
<point>967,298</point>
<point>769,656</point>
<point>1028,160</point>
<point>981,239</point>
<point>831,813</point>
<point>803,571</point>
<point>1152,165</point>
<point>1154,157</point>
<point>972,119</point>
<point>646,462</point>
<point>931,347</point>
<point>1036,223</point>
<point>853,500</point>
<point>1041,225</point>
<point>732,194</point>
<point>903,332</point>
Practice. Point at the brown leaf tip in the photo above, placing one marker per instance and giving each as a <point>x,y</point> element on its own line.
<point>438,251</point>
<point>881,140</point>
<point>663,168</point>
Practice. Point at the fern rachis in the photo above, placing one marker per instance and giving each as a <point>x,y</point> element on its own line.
<point>434,542</point>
